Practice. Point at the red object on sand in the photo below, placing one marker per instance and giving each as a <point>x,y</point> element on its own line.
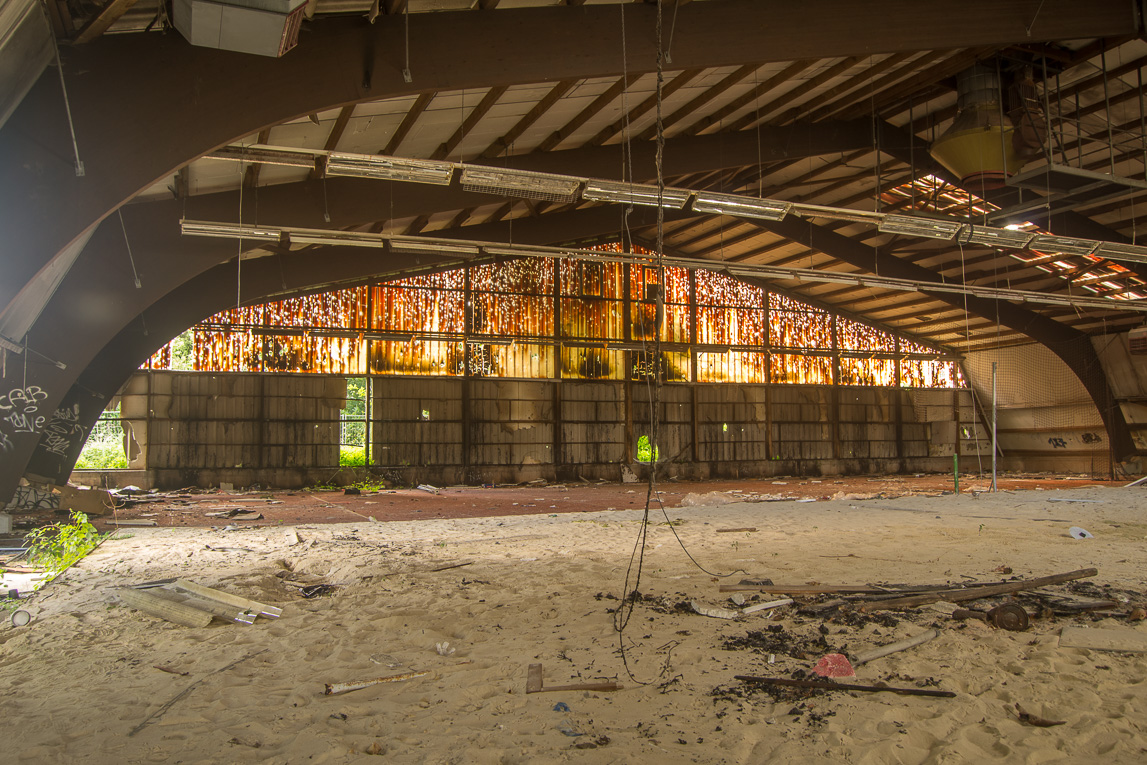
<point>834,665</point>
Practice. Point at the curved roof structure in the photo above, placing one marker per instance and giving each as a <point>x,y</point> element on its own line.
<point>834,103</point>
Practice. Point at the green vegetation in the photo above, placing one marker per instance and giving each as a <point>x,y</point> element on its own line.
<point>352,452</point>
<point>183,351</point>
<point>352,456</point>
<point>646,452</point>
<point>104,447</point>
<point>57,546</point>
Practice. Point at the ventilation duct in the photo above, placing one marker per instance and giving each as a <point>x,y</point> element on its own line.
<point>980,147</point>
<point>261,27</point>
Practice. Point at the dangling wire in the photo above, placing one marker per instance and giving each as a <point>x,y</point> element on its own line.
<point>134,273</point>
<point>653,370</point>
<point>239,257</point>
<point>407,77</point>
<point>67,104</point>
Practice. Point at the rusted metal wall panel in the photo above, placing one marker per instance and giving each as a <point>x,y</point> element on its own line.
<point>242,421</point>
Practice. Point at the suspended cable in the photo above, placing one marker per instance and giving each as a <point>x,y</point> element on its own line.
<point>127,243</point>
<point>67,104</point>
<point>407,77</point>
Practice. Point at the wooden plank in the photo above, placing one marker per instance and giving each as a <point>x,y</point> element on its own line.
<point>802,589</point>
<point>1130,640</point>
<point>107,16</point>
<point>831,686</point>
<point>408,121</point>
<point>957,596</point>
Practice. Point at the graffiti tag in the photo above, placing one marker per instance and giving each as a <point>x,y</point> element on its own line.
<point>25,400</point>
<point>62,430</point>
<point>1057,443</point>
<point>19,408</point>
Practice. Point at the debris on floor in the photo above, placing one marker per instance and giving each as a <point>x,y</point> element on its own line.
<point>193,605</point>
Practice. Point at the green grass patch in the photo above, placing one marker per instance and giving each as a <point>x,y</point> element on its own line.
<point>352,456</point>
<point>102,457</point>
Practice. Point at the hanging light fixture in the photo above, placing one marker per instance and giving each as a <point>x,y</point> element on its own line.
<point>635,194</point>
<point>742,207</point>
<point>928,228</point>
<point>520,183</point>
<point>390,168</point>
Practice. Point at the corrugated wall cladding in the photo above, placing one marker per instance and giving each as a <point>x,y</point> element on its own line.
<point>227,421</point>
<point>285,429</point>
<point>1127,374</point>
<point>1046,419</point>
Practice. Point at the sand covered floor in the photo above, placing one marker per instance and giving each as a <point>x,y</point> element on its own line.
<point>82,676</point>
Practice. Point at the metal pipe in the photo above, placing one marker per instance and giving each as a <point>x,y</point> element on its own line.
<point>995,444</point>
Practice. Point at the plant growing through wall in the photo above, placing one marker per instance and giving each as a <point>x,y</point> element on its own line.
<point>57,546</point>
<point>646,452</point>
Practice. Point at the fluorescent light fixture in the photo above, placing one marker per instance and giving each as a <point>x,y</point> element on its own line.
<point>897,284</point>
<point>1063,244</point>
<point>228,230</point>
<point>282,233</point>
<point>413,246</point>
<point>742,207</point>
<point>390,168</point>
<point>520,183</point>
<point>635,194</point>
<point>266,155</point>
<point>333,236</point>
<point>996,237</point>
<point>1119,251</point>
<point>836,213</point>
<point>851,281</point>
<point>929,228</point>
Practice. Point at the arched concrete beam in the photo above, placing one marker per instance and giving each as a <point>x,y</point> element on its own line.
<point>143,105</point>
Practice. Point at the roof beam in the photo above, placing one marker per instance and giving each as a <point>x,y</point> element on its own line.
<point>133,106</point>
<point>637,112</point>
<point>336,133</point>
<point>670,120</point>
<point>505,142</point>
<point>468,124</point>
<point>103,19</point>
<point>407,123</point>
<point>1071,346</point>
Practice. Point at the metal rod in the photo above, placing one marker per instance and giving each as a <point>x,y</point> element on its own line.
<point>1003,142</point>
<point>995,443</point>
<point>1107,112</point>
<point>67,104</point>
<point>1059,119</point>
<point>956,463</point>
<point>1142,134</point>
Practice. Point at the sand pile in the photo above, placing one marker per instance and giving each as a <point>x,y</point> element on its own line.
<point>503,593</point>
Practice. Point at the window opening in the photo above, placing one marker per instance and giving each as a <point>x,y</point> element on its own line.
<point>104,449</point>
<point>645,451</point>
<point>353,424</point>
